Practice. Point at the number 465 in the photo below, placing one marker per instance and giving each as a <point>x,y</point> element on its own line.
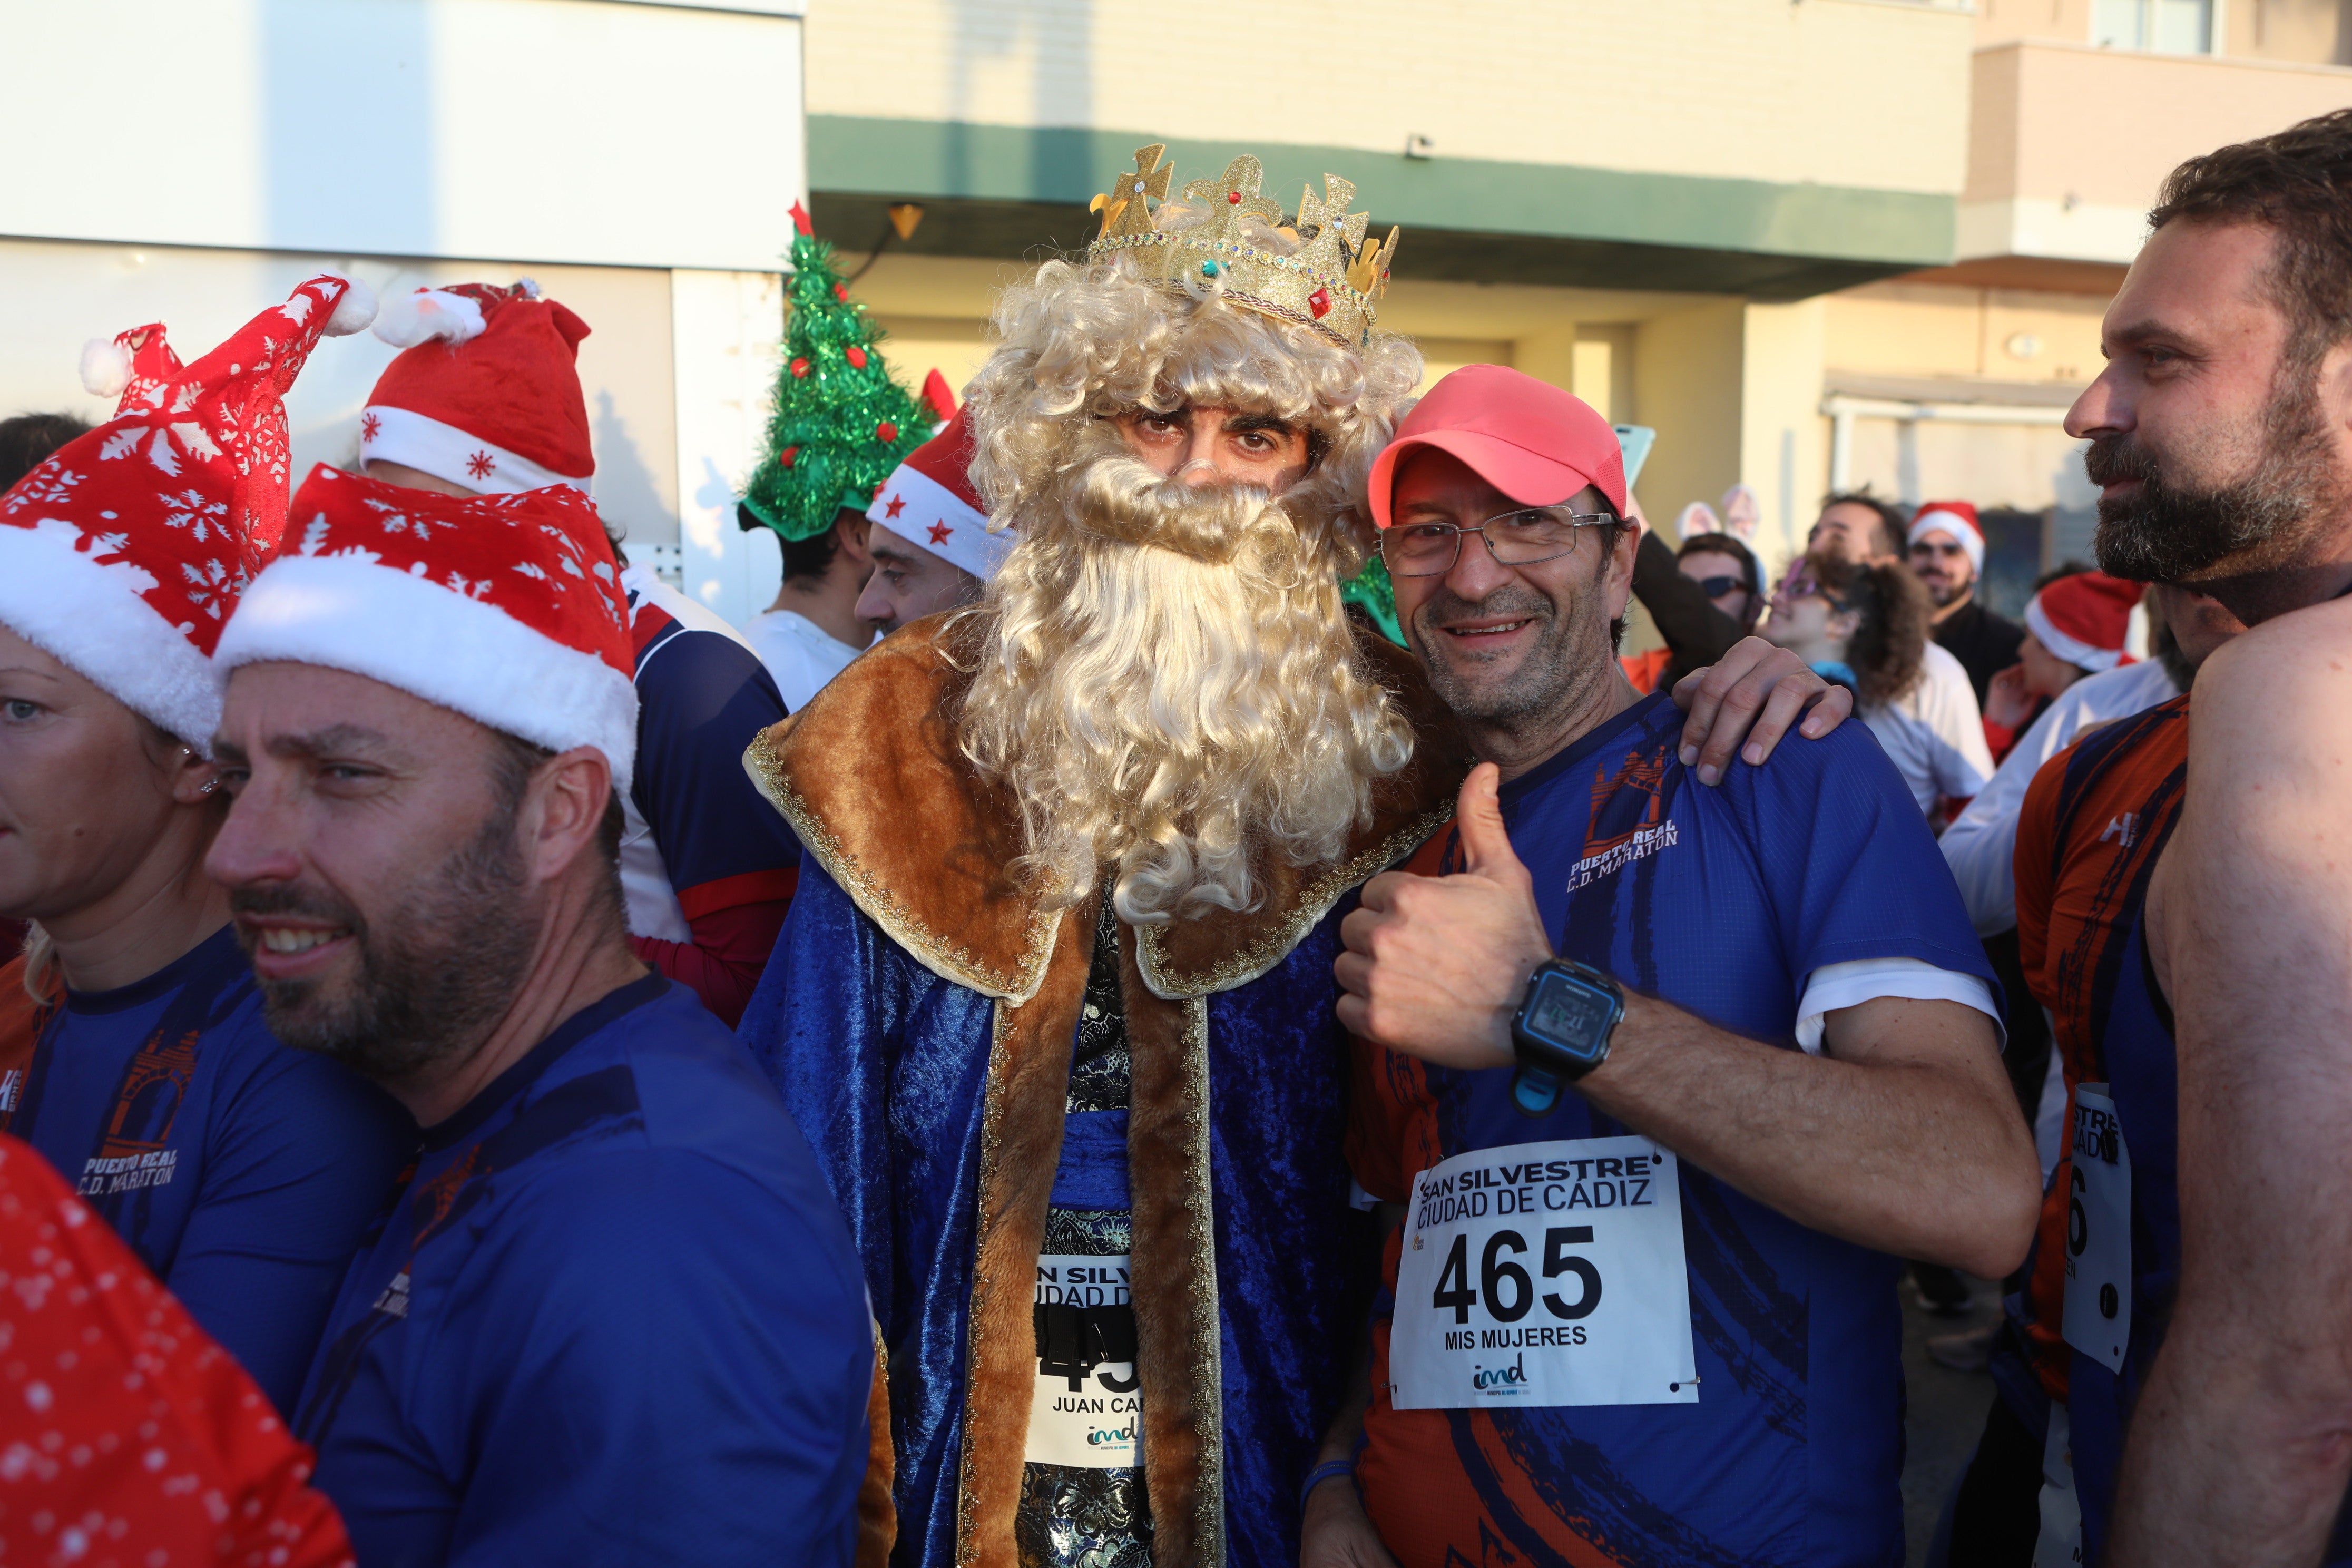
<point>1495,1272</point>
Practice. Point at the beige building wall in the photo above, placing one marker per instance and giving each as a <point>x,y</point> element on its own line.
<point>1773,94</point>
<point>1915,328</point>
<point>2303,32</point>
<point>2069,143</point>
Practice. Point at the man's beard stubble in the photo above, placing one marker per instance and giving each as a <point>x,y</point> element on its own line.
<point>2167,533</point>
<point>1571,656</point>
<point>435,973</point>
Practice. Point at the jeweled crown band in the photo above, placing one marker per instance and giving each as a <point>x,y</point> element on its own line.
<point>1314,269</point>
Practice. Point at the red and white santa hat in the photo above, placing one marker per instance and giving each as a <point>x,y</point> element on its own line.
<point>123,553</point>
<point>486,394</point>
<point>2083,619</point>
<point>505,608</point>
<point>1957,518</point>
<point>928,501</point>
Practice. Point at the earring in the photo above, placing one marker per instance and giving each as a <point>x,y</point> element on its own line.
<point>208,786</point>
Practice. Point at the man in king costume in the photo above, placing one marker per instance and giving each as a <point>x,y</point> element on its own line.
<point>1053,1004</point>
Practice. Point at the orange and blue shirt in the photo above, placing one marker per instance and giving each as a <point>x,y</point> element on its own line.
<point>244,1172</point>
<point>1724,902</point>
<point>2096,820</point>
<point>615,1318</point>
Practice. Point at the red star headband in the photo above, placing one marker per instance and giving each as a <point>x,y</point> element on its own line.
<point>928,503</point>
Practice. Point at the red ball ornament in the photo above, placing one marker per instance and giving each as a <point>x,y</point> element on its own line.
<point>886,432</point>
<point>1234,197</point>
<point>841,292</point>
<point>1319,302</point>
<point>800,368</point>
<point>856,358</point>
<point>784,458</point>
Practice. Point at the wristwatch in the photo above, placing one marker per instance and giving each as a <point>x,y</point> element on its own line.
<point>1561,1031</point>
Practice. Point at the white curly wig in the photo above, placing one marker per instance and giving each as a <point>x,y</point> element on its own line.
<point>1166,679</point>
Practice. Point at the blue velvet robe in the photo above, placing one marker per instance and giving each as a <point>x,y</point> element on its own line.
<point>917,1017</point>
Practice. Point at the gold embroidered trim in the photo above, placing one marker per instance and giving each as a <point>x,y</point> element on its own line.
<point>1208,1355</point>
<point>992,1131</point>
<point>951,961</point>
<point>1314,903</point>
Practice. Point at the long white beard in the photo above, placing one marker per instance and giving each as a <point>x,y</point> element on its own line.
<point>1168,686</point>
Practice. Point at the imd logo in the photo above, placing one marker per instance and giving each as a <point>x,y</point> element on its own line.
<point>1484,1378</point>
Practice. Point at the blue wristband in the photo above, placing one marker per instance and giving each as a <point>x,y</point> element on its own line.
<point>1321,1473</point>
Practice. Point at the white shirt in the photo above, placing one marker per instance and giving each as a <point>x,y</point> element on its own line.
<point>799,653</point>
<point>1934,733</point>
<point>1982,846</point>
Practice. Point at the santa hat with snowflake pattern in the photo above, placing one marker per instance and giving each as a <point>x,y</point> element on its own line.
<point>504,608</point>
<point>487,393</point>
<point>930,502</point>
<point>124,552</point>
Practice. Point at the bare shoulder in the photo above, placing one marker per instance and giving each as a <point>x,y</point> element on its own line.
<point>2276,698</point>
<point>2249,905</point>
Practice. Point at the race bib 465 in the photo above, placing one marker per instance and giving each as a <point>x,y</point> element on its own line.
<point>1545,1274</point>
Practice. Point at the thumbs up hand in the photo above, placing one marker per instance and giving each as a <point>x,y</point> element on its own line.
<point>1435,965</point>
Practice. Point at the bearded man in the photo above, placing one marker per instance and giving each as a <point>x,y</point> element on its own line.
<point>2220,437</point>
<point>615,1318</point>
<point>1054,1001</point>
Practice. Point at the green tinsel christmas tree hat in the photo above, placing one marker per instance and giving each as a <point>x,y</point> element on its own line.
<point>837,424</point>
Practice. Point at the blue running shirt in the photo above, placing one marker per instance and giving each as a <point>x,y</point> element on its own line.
<point>615,1320</point>
<point>243,1173</point>
<point>1723,902</point>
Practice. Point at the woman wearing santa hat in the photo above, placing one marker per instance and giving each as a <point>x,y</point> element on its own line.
<point>244,1174</point>
<point>2074,627</point>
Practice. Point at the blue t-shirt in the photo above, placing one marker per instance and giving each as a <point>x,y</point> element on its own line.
<point>243,1173</point>
<point>615,1319</point>
<point>1723,902</point>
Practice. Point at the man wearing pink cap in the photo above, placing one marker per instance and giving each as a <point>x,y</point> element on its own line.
<point>1640,1308</point>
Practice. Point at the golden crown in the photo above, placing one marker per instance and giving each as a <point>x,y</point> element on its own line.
<point>1314,268</point>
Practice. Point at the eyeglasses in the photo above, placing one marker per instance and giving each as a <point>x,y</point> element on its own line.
<point>1717,587</point>
<point>1930,547</point>
<point>1802,583</point>
<point>1519,538</point>
<point>1799,583</point>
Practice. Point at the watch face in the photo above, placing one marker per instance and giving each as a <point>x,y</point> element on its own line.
<point>1568,1014</point>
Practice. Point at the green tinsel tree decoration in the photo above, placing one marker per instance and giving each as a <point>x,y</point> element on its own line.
<point>837,424</point>
<point>1372,592</point>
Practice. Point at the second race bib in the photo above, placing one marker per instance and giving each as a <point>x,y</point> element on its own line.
<point>1087,1407</point>
<point>1545,1274</point>
<point>2098,1316</point>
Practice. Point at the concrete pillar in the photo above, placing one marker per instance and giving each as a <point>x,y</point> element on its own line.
<point>1783,435</point>
<point>726,329</point>
<point>1687,386</point>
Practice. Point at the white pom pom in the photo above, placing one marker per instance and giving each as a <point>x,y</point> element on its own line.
<point>428,313</point>
<point>105,367</point>
<point>353,311</point>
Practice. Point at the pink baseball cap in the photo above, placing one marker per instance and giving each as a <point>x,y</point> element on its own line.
<point>1527,438</point>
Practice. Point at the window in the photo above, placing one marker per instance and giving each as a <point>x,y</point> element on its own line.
<point>2159,26</point>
